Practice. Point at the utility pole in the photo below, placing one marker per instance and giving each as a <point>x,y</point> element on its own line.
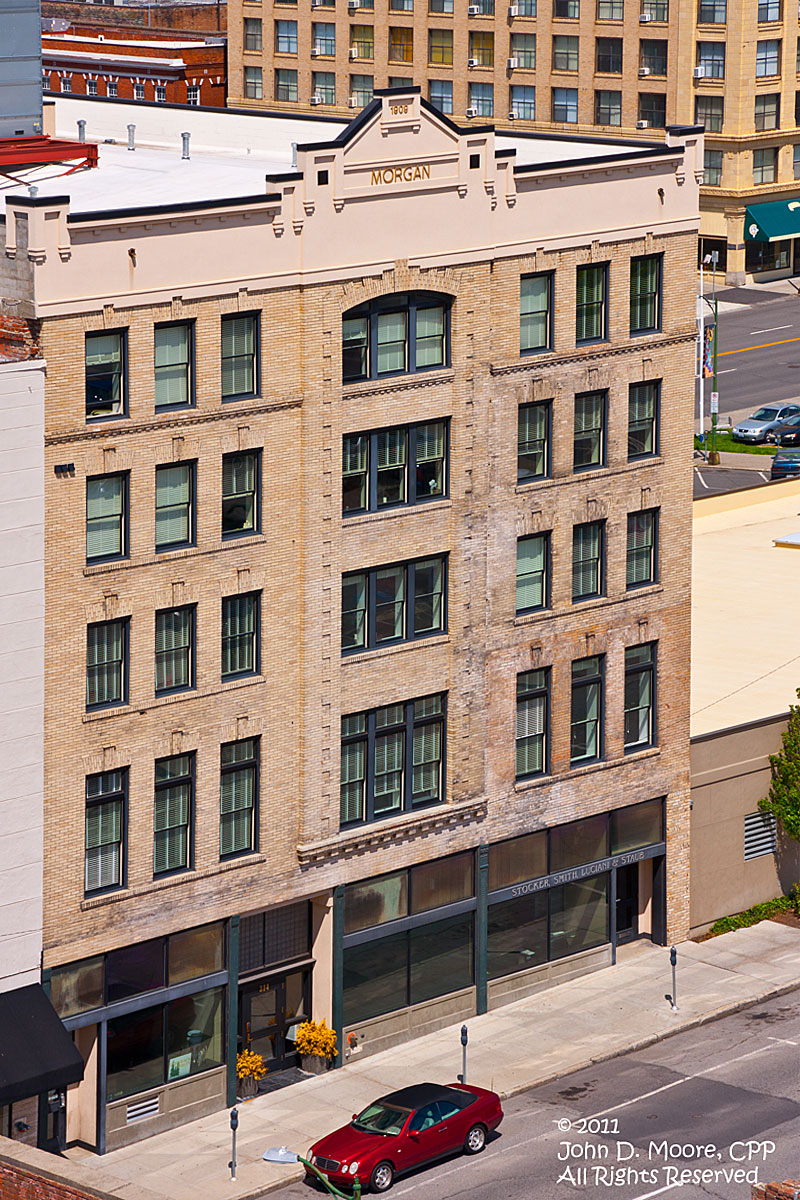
<point>713,454</point>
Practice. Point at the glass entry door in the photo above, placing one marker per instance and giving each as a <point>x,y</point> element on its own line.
<point>627,903</point>
<point>270,1011</point>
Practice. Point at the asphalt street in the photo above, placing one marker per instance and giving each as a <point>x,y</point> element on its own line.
<point>710,481</point>
<point>723,1099</point>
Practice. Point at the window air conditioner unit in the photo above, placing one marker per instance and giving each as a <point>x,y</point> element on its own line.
<point>512,64</point>
<point>642,71</point>
<point>315,51</point>
<point>472,112</point>
<point>698,73</point>
<point>473,62</point>
<point>352,102</point>
<point>316,3</point>
<point>352,5</point>
<point>642,124</point>
<point>645,17</point>
<point>513,10</point>
<point>315,99</point>
<point>474,10</point>
<point>512,116</point>
<point>354,52</point>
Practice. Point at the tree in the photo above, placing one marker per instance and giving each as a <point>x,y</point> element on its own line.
<point>783,800</point>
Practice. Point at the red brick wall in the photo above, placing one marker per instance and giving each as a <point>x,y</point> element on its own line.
<point>789,1189</point>
<point>204,18</point>
<point>19,1184</point>
<point>19,339</point>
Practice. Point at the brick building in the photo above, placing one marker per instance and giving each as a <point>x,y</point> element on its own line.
<point>202,16</point>
<point>367,597</point>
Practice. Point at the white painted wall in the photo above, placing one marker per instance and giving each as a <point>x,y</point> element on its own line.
<point>21,669</point>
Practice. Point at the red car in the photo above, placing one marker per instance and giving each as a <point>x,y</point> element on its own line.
<point>404,1130</point>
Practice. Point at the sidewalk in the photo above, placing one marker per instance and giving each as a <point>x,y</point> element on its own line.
<point>544,1036</point>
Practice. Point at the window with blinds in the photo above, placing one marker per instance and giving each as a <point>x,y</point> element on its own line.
<point>174,651</point>
<point>591,288</point>
<point>238,797</point>
<point>241,498</point>
<point>586,742</point>
<point>646,294</point>
<point>401,44</point>
<point>105,373</point>
<point>640,696</point>
<point>535,312</point>
<point>175,505</point>
<point>173,364</point>
<point>106,663</point>
<point>760,835</point>
<point>403,465</point>
<point>640,561</point>
<point>589,437</point>
<point>394,334</point>
<point>392,760</point>
<point>533,699</point>
<point>240,634</point>
<point>106,512</point>
<point>394,603</point>
<point>106,796</point>
<point>240,339</point>
<point>643,407</point>
<point>172,813</point>
<point>533,441</point>
<point>587,560</point>
<point>533,554</point>
<point>440,47</point>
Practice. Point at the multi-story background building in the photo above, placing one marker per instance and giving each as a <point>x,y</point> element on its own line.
<point>366,574</point>
<point>572,66</point>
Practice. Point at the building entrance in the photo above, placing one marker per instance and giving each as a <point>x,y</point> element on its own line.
<point>270,1009</point>
<point>627,903</point>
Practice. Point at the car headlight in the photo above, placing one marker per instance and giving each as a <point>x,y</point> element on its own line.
<point>353,1168</point>
<point>312,1158</point>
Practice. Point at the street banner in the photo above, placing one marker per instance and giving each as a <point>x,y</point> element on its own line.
<point>708,356</point>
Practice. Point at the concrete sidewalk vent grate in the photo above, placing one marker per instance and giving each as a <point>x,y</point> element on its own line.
<point>142,1109</point>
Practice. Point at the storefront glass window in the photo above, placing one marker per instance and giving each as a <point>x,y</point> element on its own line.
<point>441,958</point>
<point>375,978</point>
<point>578,842</point>
<point>194,1033</point>
<point>442,882</point>
<point>578,916</point>
<point>517,860</point>
<point>376,901</point>
<point>135,1052</point>
<point>134,969</point>
<point>517,934</point>
<point>196,952</point>
<point>639,825</point>
<point>77,987</point>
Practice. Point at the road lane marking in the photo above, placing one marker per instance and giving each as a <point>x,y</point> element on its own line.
<point>764,346</point>
<point>763,476</point>
<point>669,1188</point>
<point>727,371</point>
<point>772,329</point>
<point>700,477</point>
<point>784,1041</point>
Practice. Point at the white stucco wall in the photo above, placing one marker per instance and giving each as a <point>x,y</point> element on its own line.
<point>21,669</point>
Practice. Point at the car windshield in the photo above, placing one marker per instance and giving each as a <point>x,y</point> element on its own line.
<point>381,1118</point>
<point>765,414</point>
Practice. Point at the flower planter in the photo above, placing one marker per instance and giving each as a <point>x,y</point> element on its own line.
<point>314,1064</point>
<point>248,1087</point>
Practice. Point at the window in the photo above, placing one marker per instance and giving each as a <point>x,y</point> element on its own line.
<point>106,517</point>
<point>765,166</point>
<point>535,320</point>
<point>797,61</point>
<point>175,639</point>
<point>533,702</point>
<point>405,465</point>
<point>104,857</point>
<point>394,334</point>
<point>523,49</point>
<point>587,561</point>
<point>240,367</point>
<point>640,562</point>
<point>645,311</point>
<point>440,47</point>
<point>252,33</point>
<point>486,7</point>
<point>709,111</point>
<point>760,835</point>
<point>608,55</point>
<point>767,256</point>
<point>440,6</point>
<point>106,375</point>
<point>586,742</point>
<point>640,711</point>
<point>769,10</point>
<point>286,37</point>
<point>253,84</point>
<point>608,108</point>
<point>173,814</point>
<point>394,604</point>
<point>241,493</point>
<point>610,10</point>
<point>653,109</point>
<point>362,40</point>
<point>481,48</point>
<point>193,93</point>
<point>653,56</point>
<point>523,102</point>
<point>656,10</point>
<point>565,53</point>
<point>527,8</point>
<point>401,5</point>
<point>175,506</point>
<point>564,105</point>
<point>160,93</point>
<point>238,797</point>
<point>571,9</point>
<point>533,441</point>
<point>138,91</point>
<point>533,569</point>
<point>323,38</point>
<point>392,760</point>
<point>286,85</point>
<point>323,84</point>
<point>361,88</point>
<point>796,161</point>
<point>643,404</point>
<point>767,112</point>
<point>591,292</point>
<point>712,168</point>
<point>174,364</point>
<point>441,94</point>
<point>712,12</point>
<point>711,59</point>
<point>106,664</point>
<point>768,58</point>
<point>401,44</point>
<point>91,88</point>
<point>111,87</point>
<point>481,98</point>
<point>241,620</point>
<point>589,433</point>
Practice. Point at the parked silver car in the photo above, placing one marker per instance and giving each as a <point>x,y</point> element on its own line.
<point>763,421</point>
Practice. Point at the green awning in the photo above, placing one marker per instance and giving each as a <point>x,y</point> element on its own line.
<point>772,222</point>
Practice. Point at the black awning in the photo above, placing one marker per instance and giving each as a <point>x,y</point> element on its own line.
<point>37,1053</point>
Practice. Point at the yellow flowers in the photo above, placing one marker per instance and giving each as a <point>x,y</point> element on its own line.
<point>316,1038</point>
<point>248,1063</point>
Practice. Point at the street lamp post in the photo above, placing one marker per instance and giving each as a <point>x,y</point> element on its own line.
<point>713,453</point>
<point>282,1155</point>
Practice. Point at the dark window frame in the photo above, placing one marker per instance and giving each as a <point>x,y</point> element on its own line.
<point>549,277</point>
<point>192,650</point>
<point>531,693</point>
<point>596,680</point>
<point>255,596</point>
<point>253,764</point>
<point>122,796</point>
<point>409,598</point>
<point>408,303</point>
<point>547,406</point>
<point>582,597</point>
<point>412,498</point>
<point>605,267</point>
<point>168,547</point>
<point>255,317</point>
<point>654,514</point>
<point>164,785</point>
<point>656,420</point>
<point>124,623</point>
<point>658,295</point>
<point>578,468</point>
<point>233,534</point>
<point>123,374</point>
<point>547,539</point>
<point>191,401</point>
<point>124,551</point>
<point>650,669</point>
<point>608,55</point>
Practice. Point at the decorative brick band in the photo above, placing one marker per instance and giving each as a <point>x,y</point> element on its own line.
<point>345,845</point>
<point>592,353</point>
<point>170,421</point>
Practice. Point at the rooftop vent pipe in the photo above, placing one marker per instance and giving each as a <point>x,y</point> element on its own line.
<point>131,132</point>
<point>294,155</point>
<point>81,131</point>
<point>185,141</point>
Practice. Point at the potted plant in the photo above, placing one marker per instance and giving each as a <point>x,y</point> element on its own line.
<point>316,1045</point>
<point>250,1069</point>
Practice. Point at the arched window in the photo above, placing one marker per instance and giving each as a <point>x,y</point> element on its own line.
<point>394,335</point>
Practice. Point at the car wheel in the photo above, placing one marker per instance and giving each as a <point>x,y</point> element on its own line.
<point>475,1139</point>
<point>382,1177</point>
